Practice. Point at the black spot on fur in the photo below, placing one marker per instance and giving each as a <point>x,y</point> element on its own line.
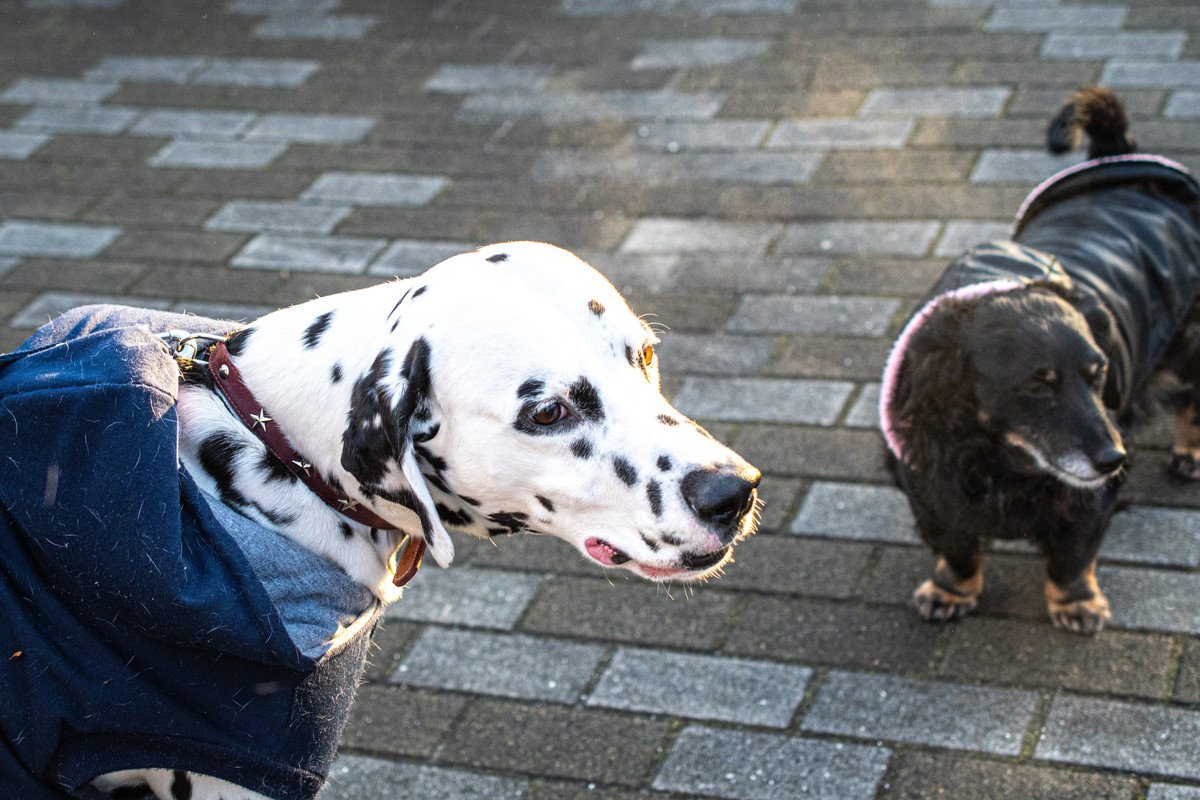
<point>668,420</point>
<point>654,494</point>
<point>499,531</point>
<point>181,786</point>
<point>471,501</point>
<point>545,501</point>
<point>335,373</point>
<point>514,521</point>
<point>671,539</point>
<point>451,517</point>
<point>427,456</point>
<point>347,531</point>
<point>496,259</point>
<point>419,292</point>
<point>530,388</point>
<point>625,471</point>
<point>630,357</point>
<point>650,543</point>
<point>336,484</point>
<point>664,463</point>
<point>437,482</point>
<point>428,433</point>
<point>237,342</point>
<point>586,399</point>
<point>217,454</point>
<point>596,307</point>
<point>582,448</point>
<point>275,468</point>
<point>314,332</point>
<point>367,448</point>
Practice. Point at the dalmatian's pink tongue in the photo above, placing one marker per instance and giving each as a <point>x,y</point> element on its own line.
<point>605,553</point>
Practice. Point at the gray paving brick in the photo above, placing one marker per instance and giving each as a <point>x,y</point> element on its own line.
<point>311,128</point>
<point>1183,105</point>
<point>709,7</point>
<point>237,312</point>
<point>148,69</point>
<point>677,53</point>
<point>842,134</point>
<point>1020,166</point>
<point>865,411</point>
<point>18,145</point>
<point>855,238</point>
<point>599,8</point>
<point>850,316</point>
<point>1115,735</point>
<point>716,134</point>
<point>7,263</point>
<point>469,78</point>
<point>98,5</point>
<point>701,687</point>
<point>57,92</point>
<point>375,189</point>
<point>309,8</point>
<point>201,154</point>
<point>1147,535</point>
<point>762,766</point>
<point>405,257</point>
<point>1163,791</point>
<point>28,238</point>
<point>1041,18</point>
<point>960,235</point>
<point>107,120</point>
<point>256,72</point>
<point>1122,73</point>
<point>504,665</point>
<point>49,305</point>
<point>279,216</point>
<point>709,270</point>
<point>356,777</point>
<point>589,106</point>
<point>979,102</point>
<point>653,169</point>
<point>328,27</point>
<point>308,253</point>
<point>714,355</point>
<point>662,235</point>
<point>1155,600</point>
<point>482,598</point>
<point>977,718</point>
<point>1095,46</point>
<point>797,401</point>
<point>855,511</point>
<point>193,124</point>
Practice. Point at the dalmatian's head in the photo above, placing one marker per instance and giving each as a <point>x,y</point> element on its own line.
<point>532,402</point>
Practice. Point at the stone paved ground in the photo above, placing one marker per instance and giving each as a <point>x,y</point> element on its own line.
<point>777,181</point>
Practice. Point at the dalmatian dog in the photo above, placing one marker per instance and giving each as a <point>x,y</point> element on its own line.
<point>505,390</point>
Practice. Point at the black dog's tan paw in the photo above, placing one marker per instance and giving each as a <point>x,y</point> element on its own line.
<point>1185,466</point>
<point>936,604</point>
<point>1081,616</point>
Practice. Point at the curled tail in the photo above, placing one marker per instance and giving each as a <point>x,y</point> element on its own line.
<point>1097,112</point>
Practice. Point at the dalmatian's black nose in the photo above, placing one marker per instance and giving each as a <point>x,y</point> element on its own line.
<point>720,496</point>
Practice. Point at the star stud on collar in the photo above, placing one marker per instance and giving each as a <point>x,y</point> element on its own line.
<point>304,465</point>
<point>347,504</point>
<point>260,418</point>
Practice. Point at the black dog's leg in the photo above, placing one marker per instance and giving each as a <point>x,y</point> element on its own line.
<point>957,579</point>
<point>1185,454</point>
<point>1073,597</point>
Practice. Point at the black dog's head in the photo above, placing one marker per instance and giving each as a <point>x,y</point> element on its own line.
<point>1021,370</point>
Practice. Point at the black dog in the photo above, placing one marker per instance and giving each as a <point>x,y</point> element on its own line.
<point>1002,399</point>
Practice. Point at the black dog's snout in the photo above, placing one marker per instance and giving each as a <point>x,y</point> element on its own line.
<point>720,496</point>
<point>1109,459</point>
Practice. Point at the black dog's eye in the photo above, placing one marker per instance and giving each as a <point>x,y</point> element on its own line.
<point>1097,374</point>
<point>549,413</point>
<point>1043,383</point>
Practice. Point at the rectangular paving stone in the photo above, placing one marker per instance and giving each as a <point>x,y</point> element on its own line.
<point>92,4</point>
<point>954,716</point>
<point>237,312</point>
<point>716,134</point>
<point>926,775</point>
<point>849,316</point>
<point>662,235</point>
<point>980,102</point>
<point>1154,600</point>
<point>714,355</point>
<point>482,598</point>
<point>960,235</point>
<point>1020,166</point>
<point>308,253</point>
<point>856,511</point>
<point>202,154</point>
<point>282,72</point>
<point>106,120</point>
<point>654,169</point>
<point>282,216</point>
<point>405,257</point>
<point>865,411</point>
<point>681,53</point>
<point>49,305</point>
<point>503,665</point>
<point>858,238</point>
<point>354,777</point>
<point>842,134</point>
<point>1183,105</point>
<point>57,92</point>
<point>146,69</point>
<point>375,189</point>
<point>470,78</point>
<point>762,766</point>
<point>331,27</point>
<point>1125,736</point>
<point>311,128</point>
<point>193,124</point>
<point>1122,73</point>
<point>710,7</point>
<point>592,106</point>
<point>272,8</point>
<point>1148,535</point>
<point>18,145</point>
<point>701,687</point>
<point>1164,791</point>
<point>796,401</point>
<point>1044,18</point>
<point>54,239</point>
<point>1095,46</point>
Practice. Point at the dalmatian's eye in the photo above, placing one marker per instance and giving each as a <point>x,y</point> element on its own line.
<point>647,354</point>
<point>550,413</point>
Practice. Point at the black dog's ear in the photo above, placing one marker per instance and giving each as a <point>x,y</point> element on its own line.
<point>935,387</point>
<point>1104,330</point>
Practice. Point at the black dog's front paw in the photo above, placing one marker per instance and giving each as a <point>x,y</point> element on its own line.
<point>1185,467</point>
<point>936,604</point>
<point>1081,616</point>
